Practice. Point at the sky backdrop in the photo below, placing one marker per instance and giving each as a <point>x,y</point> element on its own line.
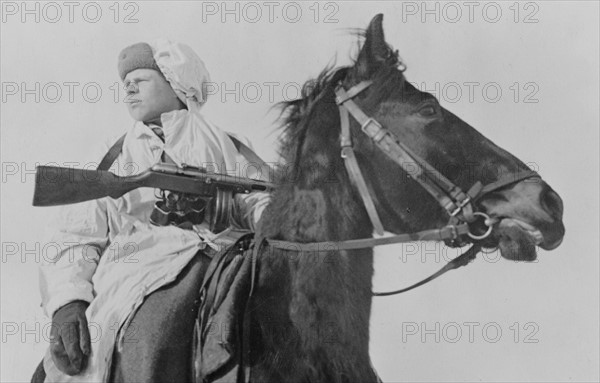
<point>524,74</point>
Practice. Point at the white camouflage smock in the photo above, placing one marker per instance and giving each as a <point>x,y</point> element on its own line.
<point>116,257</point>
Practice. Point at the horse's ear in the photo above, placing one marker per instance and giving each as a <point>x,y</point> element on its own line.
<point>375,50</point>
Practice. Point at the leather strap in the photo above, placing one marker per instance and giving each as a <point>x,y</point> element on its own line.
<point>355,174</point>
<point>252,157</point>
<point>443,190</point>
<point>461,260</point>
<point>450,232</point>
<point>352,92</point>
<point>446,233</point>
<point>112,154</point>
<point>507,180</point>
<point>450,197</point>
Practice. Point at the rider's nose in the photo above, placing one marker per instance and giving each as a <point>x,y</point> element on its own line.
<point>551,203</point>
<point>130,89</point>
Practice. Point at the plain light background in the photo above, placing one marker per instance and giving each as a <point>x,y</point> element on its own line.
<point>493,321</point>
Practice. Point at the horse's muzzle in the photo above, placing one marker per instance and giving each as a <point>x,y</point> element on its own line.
<point>530,208</point>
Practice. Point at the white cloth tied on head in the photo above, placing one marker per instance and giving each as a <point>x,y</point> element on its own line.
<point>184,70</point>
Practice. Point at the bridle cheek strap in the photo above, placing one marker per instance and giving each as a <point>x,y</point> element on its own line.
<point>452,198</point>
<point>448,195</point>
<point>355,174</point>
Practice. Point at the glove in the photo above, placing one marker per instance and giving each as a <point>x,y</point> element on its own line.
<point>70,338</point>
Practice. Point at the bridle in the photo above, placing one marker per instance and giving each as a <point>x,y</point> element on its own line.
<point>459,205</point>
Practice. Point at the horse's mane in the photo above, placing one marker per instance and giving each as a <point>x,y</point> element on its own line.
<point>297,115</point>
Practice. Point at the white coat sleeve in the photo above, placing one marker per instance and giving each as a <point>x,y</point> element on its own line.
<point>248,209</point>
<point>81,234</point>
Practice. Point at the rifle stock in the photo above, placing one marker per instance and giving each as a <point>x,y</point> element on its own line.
<point>61,186</point>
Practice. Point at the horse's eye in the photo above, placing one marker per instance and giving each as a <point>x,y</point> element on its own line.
<point>427,111</point>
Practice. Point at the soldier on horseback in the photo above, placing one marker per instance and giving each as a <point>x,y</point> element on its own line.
<point>120,251</point>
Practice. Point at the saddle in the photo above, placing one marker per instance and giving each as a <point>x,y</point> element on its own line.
<point>221,335</point>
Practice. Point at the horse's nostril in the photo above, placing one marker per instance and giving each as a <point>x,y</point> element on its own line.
<point>552,203</point>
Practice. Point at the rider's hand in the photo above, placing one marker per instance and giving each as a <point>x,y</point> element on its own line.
<point>70,337</point>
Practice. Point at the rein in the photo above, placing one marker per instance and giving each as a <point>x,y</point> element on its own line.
<point>457,203</point>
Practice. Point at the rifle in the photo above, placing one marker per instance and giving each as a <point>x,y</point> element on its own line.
<point>61,186</point>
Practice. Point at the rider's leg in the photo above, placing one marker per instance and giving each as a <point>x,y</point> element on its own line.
<point>160,346</point>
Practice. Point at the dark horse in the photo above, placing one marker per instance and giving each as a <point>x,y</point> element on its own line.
<point>327,299</point>
<point>310,312</point>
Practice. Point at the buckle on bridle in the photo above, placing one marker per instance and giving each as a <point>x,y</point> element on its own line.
<point>378,134</point>
<point>460,206</point>
<point>454,232</point>
<point>345,150</point>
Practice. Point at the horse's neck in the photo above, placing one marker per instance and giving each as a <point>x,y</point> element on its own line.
<point>319,206</point>
<point>324,214</point>
<point>328,294</point>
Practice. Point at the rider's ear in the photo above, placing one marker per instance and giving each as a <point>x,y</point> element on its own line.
<point>374,52</point>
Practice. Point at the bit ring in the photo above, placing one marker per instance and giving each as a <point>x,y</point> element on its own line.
<point>488,231</point>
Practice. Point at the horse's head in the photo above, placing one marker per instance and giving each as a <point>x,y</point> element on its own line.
<point>527,212</point>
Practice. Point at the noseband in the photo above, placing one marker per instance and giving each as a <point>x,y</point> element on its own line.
<point>459,205</point>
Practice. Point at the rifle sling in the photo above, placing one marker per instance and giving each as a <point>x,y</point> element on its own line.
<point>248,153</point>
<point>114,151</point>
<point>112,154</point>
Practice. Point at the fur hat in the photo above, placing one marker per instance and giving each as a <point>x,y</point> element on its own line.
<point>136,56</point>
<point>178,63</point>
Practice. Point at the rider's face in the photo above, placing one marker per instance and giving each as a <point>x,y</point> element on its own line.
<point>149,95</point>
